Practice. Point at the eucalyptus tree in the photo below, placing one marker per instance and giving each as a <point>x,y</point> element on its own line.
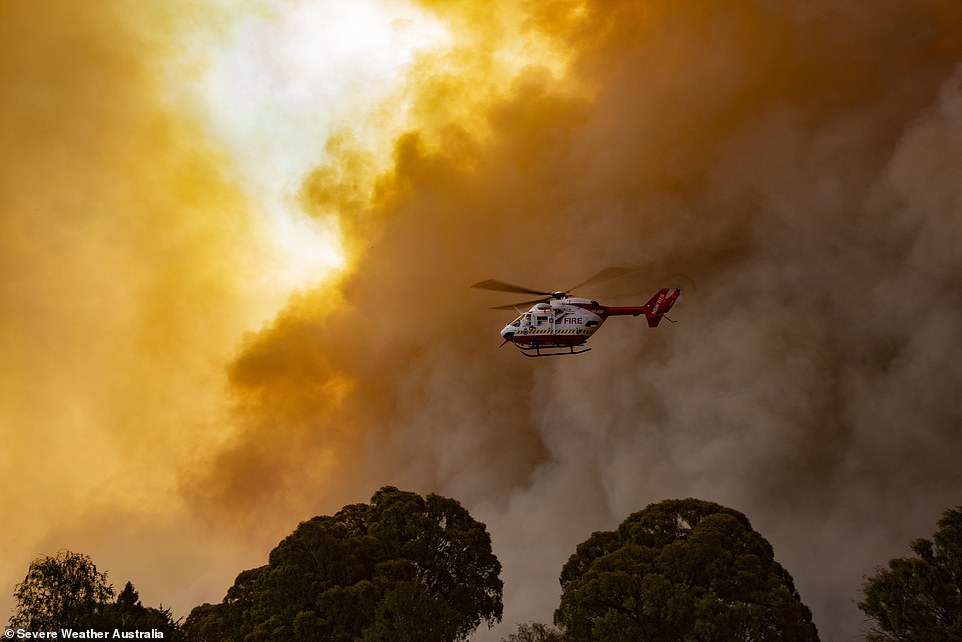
<point>404,567</point>
<point>680,570</point>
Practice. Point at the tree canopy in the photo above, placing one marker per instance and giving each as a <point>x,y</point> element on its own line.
<point>534,632</point>
<point>680,570</point>
<point>127,613</point>
<point>404,567</point>
<point>920,598</point>
<point>67,591</point>
<point>64,590</point>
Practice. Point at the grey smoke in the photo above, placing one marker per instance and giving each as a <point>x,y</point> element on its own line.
<point>799,161</point>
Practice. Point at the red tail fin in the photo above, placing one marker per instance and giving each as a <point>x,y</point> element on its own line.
<point>659,305</point>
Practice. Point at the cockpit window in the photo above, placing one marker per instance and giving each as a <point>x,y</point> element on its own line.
<point>516,323</point>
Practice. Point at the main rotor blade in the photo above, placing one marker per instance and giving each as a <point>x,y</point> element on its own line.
<point>605,275</point>
<point>501,286</point>
<point>522,304</point>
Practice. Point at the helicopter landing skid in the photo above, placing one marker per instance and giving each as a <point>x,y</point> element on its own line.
<point>538,351</point>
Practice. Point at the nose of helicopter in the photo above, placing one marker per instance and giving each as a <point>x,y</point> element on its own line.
<point>507,333</point>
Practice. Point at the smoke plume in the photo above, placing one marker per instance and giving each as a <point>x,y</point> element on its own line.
<point>126,268</point>
<point>798,161</point>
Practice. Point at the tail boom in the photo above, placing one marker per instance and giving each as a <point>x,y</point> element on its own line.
<point>657,307</point>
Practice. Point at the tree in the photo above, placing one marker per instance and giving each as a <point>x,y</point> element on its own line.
<point>920,598</point>
<point>61,591</point>
<point>404,567</point>
<point>534,632</point>
<point>680,570</point>
<point>67,591</point>
<point>128,614</point>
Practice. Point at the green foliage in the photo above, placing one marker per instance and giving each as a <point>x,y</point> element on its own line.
<point>404,567</point>
<point>408,612</point>
<point>684,570</point>
<point>920,598</point>
<point>128,614</point>
<point>534,632</point>
<point>61,591</point>
<point>67,591</point>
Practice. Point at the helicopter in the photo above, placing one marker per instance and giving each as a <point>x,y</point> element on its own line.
<point>558,323</point>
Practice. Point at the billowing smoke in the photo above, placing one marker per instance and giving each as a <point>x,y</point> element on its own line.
<point>127,274</point>
<point>797,160</point>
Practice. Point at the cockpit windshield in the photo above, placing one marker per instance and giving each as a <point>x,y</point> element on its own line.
<point>523,319</point>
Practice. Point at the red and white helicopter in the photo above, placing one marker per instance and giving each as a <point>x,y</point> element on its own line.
<point>558,323</point>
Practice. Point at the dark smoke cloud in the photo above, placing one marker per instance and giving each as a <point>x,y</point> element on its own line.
<point>798,160</point>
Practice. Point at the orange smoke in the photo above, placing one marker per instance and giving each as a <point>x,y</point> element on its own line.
<point>129,270</point>
<point>797,159</point>
<point>763,148</point>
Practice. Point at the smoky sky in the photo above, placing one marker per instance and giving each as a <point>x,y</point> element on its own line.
<point>797,162</point>
<point>126,277</point>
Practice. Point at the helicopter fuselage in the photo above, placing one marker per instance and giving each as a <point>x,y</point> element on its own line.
<point>568,322</point>
<point>558,324</point>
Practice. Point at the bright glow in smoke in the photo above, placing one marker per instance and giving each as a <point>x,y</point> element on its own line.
<point>286,77</point>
